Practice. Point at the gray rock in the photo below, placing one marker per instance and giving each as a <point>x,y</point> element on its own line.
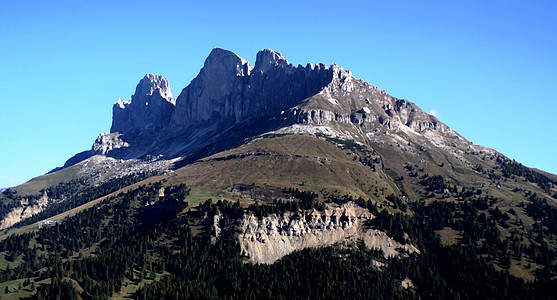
<point>108,142</point>
<point>228,89</point>
<point>216,93</point>
<point>230,100</point>
<point>270,238</point>
<point>151,106</point>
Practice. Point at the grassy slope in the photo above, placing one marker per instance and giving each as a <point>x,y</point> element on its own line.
<point>509,192</point>
<point>296,161</point>
<point>33,186</point>
<point>313,164</point>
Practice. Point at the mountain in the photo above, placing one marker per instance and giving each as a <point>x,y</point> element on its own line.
<point>229,96</point>
<point>283,166</point>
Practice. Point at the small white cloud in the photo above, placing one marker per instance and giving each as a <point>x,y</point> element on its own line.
<point>434,113</point>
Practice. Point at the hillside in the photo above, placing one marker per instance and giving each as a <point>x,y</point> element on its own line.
<point>285,182</point>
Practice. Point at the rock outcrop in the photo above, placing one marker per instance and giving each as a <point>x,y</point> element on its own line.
<point>150,107</point>
<point>228,89</point>
<point>216,93</point>
<point>27,209</point>
<point>108,142</point>
<point>348,100</point>
<point>230,93</point>
<point>230,101</point>
<point>268,239</point>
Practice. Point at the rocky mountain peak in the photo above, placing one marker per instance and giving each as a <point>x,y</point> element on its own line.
<point>267,59</point>
<point>150,106</point>
<point>224,63</point>
<point>215,93</point>
<point>151,84</point>
<point>229,93</point>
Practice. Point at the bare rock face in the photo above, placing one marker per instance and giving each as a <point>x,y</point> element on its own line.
<point>150,107</point>
<point>216,92</point>
<point>269,59</point>
<point>230,100</point>
<point>228,89</point>
<point>268,239</point>
<point>26,210</point>
<point>352,101</point>
<point>108,142</point>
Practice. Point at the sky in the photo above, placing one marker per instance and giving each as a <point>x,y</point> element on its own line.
<point>488,69</point>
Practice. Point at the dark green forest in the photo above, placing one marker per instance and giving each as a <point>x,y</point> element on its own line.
<point>171,252</point>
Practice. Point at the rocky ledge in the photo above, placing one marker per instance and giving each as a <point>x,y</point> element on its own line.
<point>268,239</point>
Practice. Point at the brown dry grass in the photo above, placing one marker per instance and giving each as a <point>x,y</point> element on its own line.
<point>449,236</point>
<point>296,161</point>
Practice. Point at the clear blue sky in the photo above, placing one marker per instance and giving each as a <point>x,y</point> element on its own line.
<point>488,68</point>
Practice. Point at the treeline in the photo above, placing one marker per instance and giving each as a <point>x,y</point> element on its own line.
<point>542,212</point>
<point>199,269</point>
<point>464,270</point>
<point>511,167</point>
<point>304,200</point>
<point>72,194</point>
<point>113,231</point>
<point>139,235</point>
<point>61,191</point>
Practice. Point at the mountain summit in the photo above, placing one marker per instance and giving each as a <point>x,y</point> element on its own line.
<point>228,90</point>
<point>150,107</point>
<point>230,100</point>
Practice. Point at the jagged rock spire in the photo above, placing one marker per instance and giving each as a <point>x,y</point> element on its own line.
<point>150,107</point>
<point>267,59</point>
<point>228,92</point>
<point>228,89</point>
<point>151,84</point>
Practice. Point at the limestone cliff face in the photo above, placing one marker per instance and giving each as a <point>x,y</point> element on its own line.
<point>150,107</point>
<point>348,100</point>
<point>230,100</point>
<point>229,89</point>
<point>26,210</point>
<point>268,239</point>
<point>216,92</point>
